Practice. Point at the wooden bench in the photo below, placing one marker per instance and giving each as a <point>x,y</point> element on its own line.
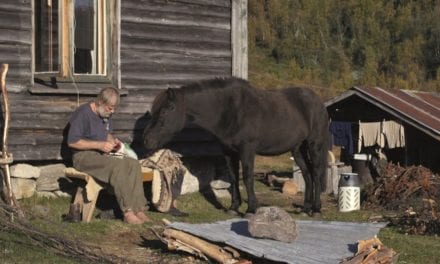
<point>87,197</point>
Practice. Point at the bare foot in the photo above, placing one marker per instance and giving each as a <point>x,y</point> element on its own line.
<point>143,217</point>
<point>131,218</point>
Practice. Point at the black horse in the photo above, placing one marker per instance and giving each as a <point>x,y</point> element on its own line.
<point>249,121</point>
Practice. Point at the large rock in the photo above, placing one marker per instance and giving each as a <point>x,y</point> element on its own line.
<point>24,170</point>
<point>273,223</point>
<point>23,188</point>
<point>50,176</point>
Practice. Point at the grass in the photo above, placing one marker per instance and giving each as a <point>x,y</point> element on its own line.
<point>46,215</point>
<point>15,248</point>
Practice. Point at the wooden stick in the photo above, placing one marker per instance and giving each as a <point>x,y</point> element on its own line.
<point>5,155</point>
<point>6,115</point>
<point>211,250</point>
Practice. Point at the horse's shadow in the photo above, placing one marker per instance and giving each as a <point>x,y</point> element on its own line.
<point>241,228</point>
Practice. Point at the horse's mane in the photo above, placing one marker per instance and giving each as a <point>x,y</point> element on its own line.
<point>214,84</point>
<point>203,86</point>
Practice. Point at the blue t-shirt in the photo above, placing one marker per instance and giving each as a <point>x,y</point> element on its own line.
<point>85,124</point>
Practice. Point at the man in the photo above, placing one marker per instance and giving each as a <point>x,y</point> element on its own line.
<point>92,143</point>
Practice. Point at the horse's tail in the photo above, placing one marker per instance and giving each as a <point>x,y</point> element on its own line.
<point>321,139</point>
<point>324,158</point>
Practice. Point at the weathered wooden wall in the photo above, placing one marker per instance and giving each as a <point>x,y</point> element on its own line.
<point>16,42</point>
<point>163,44</point>
<point>167,43</point>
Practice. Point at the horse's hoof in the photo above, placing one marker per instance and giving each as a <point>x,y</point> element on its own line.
<point>306,213</point>
<point>316,214</point>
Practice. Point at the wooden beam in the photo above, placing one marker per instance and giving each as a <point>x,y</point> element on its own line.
<point>65,37</point>
<point>239,39</point>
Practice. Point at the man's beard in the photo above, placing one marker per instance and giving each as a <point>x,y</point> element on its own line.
<point>102,113</point>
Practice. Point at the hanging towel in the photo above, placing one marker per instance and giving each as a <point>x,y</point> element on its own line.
<point>394,134</point>
<point>341,134</point>
<point>370,134</point>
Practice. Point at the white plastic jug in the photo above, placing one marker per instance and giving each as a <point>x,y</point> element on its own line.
<point>349,192</point>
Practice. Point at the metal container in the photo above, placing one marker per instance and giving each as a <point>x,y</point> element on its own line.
<point>349,192</point>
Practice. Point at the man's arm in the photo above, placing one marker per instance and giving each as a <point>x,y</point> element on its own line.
<point>83,144</point>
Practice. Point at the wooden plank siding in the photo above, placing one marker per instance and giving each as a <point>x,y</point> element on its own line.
<point>170,43</point>
<point>162,43</point>
<point>16,42</point>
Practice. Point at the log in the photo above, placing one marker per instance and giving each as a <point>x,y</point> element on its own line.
<point>213,251</point>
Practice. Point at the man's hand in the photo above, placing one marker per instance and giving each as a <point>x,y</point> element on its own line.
<point>107,146</point>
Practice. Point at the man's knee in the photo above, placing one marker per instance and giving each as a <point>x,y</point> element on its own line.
<point>133,164</point>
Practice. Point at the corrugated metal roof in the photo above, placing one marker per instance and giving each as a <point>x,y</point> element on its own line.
<point>421,109</point>
<point>317,242</point>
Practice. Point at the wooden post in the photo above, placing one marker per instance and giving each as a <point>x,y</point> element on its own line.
<point>239,39</point>
<point>6,159</point>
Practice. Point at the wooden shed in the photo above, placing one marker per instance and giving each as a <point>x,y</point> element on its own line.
<point>418,112</point>
<point>61,52</point>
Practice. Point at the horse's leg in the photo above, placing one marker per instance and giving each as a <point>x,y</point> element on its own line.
<point>300,156</point>
<point>318,156</point>
<point>234,167</point>
<point>247,157</point>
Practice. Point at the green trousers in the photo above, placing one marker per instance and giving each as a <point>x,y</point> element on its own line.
<point>123,174</point>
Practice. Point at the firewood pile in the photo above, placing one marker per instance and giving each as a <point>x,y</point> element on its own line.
<point>413,192</point>
<point>372,251</point>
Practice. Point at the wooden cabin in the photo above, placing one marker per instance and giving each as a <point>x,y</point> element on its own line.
<point>62,52</point>
<point>418,112</point>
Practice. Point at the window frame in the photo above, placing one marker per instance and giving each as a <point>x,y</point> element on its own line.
<point>65,76</point>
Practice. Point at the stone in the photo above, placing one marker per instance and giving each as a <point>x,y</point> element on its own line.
<point>190,183</point>
<point>220,189</point>
<point>46,194</point>
<point>50,176</point>
<point>23,188</point>
<point>23,170</point>
<point>220,184</point>
<point>290,188</point>
<point>274,223</point>
<point>222,193</point>
<point>62,194</point>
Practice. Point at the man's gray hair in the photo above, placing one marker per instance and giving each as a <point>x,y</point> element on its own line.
<point>108,95</point>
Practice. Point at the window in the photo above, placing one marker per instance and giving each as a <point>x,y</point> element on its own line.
<point>72,41</point>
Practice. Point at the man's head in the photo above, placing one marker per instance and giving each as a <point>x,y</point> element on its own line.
<point>107,101</point>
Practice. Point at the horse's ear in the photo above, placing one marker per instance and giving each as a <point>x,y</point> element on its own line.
<point>171,94</point>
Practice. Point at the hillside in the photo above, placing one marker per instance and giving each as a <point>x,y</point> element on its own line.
<point>333,45</point>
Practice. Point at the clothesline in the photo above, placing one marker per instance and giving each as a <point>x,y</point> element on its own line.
<point>385,134</point>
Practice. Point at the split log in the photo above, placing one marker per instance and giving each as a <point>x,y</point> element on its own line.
<point>372,251</point>
<point>180,240</point>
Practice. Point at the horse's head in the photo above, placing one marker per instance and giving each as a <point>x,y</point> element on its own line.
<point>167,119</point>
